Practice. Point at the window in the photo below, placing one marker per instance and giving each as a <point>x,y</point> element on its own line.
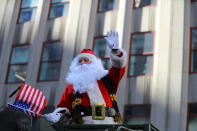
<point>142,3</point>
<point>137,114</point>
<point>102,50</point>
<point>58,8</point>
<point>193,0</point>
<point>141,54</point>
<point>51,61</point>
<point>27,10</point>
<point>106,5</point>
<point>18,63</point>
<point>192,117</point>
<point>193,58</point>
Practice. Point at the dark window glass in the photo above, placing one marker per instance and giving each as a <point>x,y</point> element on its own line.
<point>16,69</point>
<point>18,63</point>
<point>192,123</point>
<point>141,65</point>
<point>102,50</point>
<point>28,10</point>
<point>51,61</point>
<point>194,61</point>
<point>106,62</point>
<point>56,1</point>
<point>141,54</point>
<point>29,3</point>
<point>105,5</point>
<point>137,114</point>
<point>59,10</point>
<point>20,55</point>
<point>138,110</point>
<point>142,43</point>
<point>27,14</point>
<point>193,108</point>
<point>52,52</point>
<point>193,0</point>
<point>194,38</point>
<point>141,3</point>
<point>192,118</point>
<point>194,51</point>
<point>50,71</point>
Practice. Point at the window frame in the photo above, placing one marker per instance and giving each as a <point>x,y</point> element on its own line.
<point>50,6</point>
<point>104,11</point>
<point>21,8</point>
<point>126,117</point>
<point>144,54</point>
<point>9,65</point>
<point>191,51</point>
<point>134,7</point>
<point>49,61</point>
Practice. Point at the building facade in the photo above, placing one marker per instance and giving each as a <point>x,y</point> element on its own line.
<point>39,39</point>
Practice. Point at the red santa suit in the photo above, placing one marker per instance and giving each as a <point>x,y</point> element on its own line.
<point>97,93</point>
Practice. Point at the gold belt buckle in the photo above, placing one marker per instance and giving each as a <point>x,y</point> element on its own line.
<point>98,112</point>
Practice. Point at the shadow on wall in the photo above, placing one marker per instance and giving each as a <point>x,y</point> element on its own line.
<point>14,121</point>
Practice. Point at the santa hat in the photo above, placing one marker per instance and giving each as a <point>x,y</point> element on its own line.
<point>87,53</point>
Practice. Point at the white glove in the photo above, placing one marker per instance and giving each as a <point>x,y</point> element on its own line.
<point>112,39</point>
<point>55,116</point>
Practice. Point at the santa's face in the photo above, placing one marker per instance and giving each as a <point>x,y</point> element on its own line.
<point>84,71</point>
<point>84,60</point>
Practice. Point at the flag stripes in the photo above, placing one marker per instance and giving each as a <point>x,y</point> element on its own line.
<point>29,100</point>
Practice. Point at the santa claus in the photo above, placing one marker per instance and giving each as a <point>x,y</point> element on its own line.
<point>90,95</point>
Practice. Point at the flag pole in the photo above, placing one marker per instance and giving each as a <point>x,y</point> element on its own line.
<point>19,77</point>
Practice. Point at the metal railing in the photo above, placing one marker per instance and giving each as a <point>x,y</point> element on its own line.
<point>119,127</point>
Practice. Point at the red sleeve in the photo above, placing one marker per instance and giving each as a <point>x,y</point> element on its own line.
<point>116,75</point>
<point>66,98</point>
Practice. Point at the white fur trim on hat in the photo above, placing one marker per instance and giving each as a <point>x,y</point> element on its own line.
<point>87,55</point>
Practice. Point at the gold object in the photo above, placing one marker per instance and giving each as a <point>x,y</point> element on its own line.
<point>77,101</point>
<point>117,117</point>
<point>113,97</point>
<point>95,108</point>
<point>17,75</point>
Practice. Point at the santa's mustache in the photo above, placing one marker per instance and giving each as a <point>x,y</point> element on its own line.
<point>82,67</point>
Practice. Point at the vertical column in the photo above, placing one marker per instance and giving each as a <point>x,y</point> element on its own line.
<point>37,37</point>
<point>179,64</point>
<point>70,41</point>
<point>9,24</point>
<point>86,24</point>
<point>161,77</point>
<point>123,27</point>
<point>169,93</point>
<point>3,5</point>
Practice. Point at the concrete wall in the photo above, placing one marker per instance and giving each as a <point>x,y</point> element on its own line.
<point>3,5</point>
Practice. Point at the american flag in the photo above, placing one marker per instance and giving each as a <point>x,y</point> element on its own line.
<point>29,100</point>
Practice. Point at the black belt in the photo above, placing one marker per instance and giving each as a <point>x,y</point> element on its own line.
<point>88,111</point>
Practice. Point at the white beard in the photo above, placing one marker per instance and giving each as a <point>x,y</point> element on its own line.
<point>84,76</point>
